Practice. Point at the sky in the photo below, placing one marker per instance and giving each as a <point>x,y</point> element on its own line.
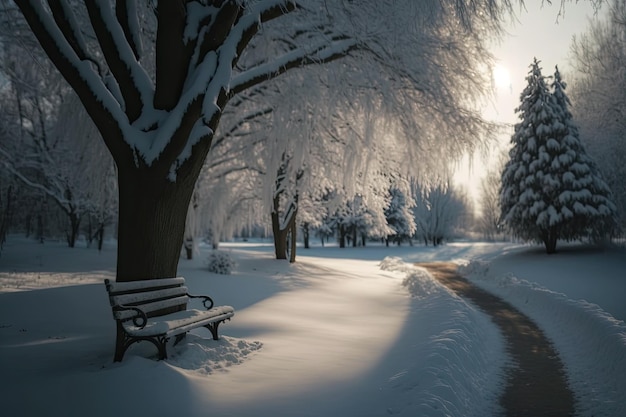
<point>541,32</point>
<point>538,31</point>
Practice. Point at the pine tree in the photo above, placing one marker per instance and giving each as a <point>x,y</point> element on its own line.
<point>550,188</point>
<point>594,213</point>
<point>399,217</point>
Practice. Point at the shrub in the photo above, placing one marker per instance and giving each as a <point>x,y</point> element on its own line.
<point>220,262</point>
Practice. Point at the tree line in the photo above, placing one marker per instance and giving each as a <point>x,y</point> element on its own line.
<point>159,80</point>
<point>167,120</point>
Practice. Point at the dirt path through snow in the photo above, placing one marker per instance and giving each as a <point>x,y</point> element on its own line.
<point>536,383</point>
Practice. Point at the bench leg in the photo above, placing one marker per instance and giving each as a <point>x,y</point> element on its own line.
<point>120,344</point>
<point>213,329</point>
<point>180,338</point>
<point>123,342</point>
<point>160,343</point>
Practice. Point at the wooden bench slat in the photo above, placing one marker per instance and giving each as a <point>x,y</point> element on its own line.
<point>180,322</point>
<point>122,287</point>
<point>150,307</point>
<point>138,298</point>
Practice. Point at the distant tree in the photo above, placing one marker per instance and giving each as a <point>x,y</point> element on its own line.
<point>285,211</point>
<point>312,213</point>
<point>550,188</point>
<point>488,221</point>
<point>64,160</point>
<point>439,210</point>
<point>31,98</point>
<point>399,217</point>
<point>598,94</point>
<point>351,221</point>
<point>6,208</point>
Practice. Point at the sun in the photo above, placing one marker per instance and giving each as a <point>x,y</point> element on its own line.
<point>501,76</point>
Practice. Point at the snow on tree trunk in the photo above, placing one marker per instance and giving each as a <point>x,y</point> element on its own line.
<point>284,235</point>
<point>280,237</point>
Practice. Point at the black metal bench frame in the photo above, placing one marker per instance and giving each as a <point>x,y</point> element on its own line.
<point>156,310</point>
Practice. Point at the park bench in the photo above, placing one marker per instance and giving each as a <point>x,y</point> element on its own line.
<point>156,310</point>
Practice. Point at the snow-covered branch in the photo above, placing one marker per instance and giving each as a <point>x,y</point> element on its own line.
<point>135,85</point>
<point>102,105</point>
<point>322,53</point>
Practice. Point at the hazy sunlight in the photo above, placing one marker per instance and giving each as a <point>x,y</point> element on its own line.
<point>501,77</point>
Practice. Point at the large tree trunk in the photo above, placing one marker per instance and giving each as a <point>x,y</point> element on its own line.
<point>152,214</point>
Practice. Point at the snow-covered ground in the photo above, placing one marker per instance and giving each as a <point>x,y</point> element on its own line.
<point>339,333</point>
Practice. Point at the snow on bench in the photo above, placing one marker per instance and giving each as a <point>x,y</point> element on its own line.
<point>156,310</point>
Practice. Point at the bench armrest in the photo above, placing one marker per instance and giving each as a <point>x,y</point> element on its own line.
<point>140,319</point>
<point>205,299</point>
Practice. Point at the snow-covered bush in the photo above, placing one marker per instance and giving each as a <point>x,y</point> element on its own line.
<point>420,283</point>
<point>394,263</point>
<point>474,268</point>
<point>417,280</point>
<point>220,262</point>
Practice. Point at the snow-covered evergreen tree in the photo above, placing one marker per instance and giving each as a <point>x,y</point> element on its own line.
<point>550,188</point>
<point>399,217</point>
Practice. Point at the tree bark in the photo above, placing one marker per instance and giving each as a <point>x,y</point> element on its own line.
<point>6,216</point>
<point>100,234</point>
<point>72,234</point>
<point>550,238</point>
<point>292,243</point>
<point>40,228</point>
<point>152,214</point>
<point>342,236</point>
<point>281,237</point>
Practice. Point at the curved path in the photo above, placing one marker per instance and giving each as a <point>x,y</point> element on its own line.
<point>536,383</point>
